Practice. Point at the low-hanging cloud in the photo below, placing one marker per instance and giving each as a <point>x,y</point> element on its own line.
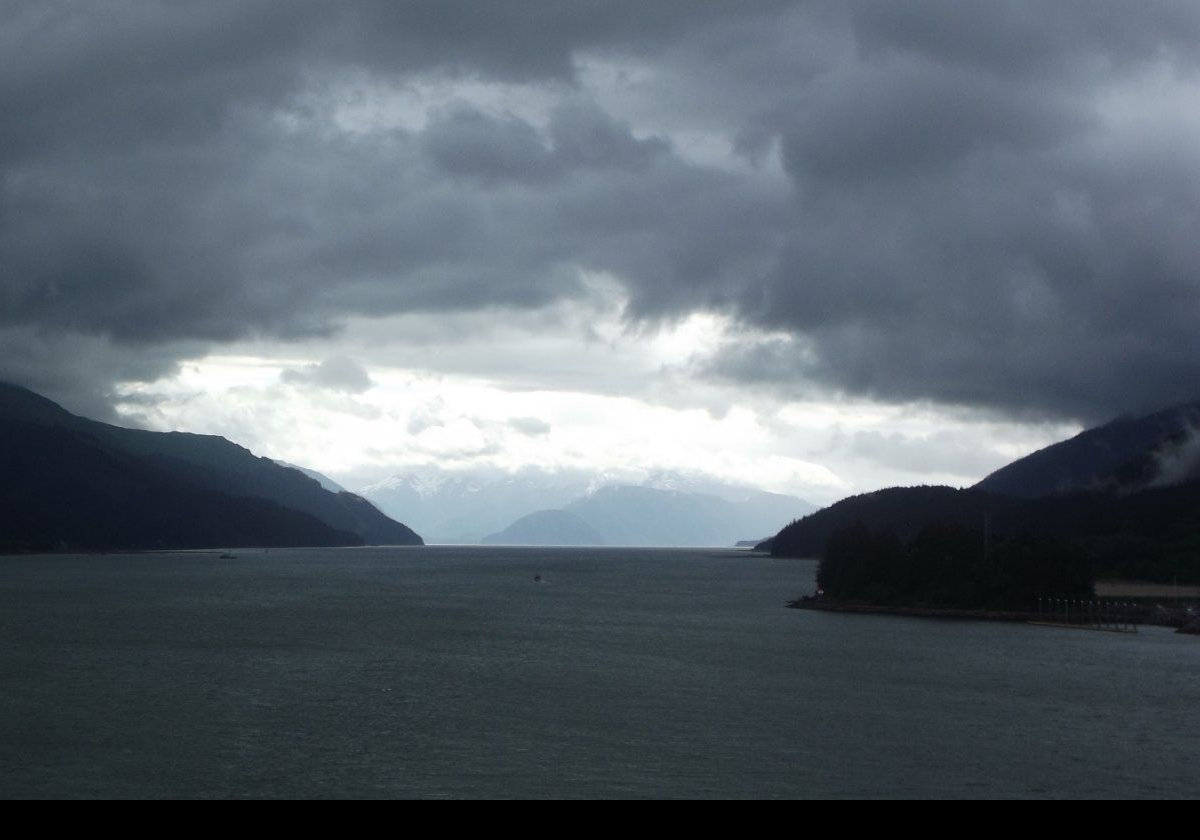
<point>988,205</point>
<point>334,374</point>
<point>530,426</point>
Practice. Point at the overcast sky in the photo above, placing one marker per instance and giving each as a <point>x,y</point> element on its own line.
<point>824,245</point>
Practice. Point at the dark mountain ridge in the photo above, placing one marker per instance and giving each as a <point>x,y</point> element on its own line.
<point>101,472</point>
<point>64,490</point>
<point>1125,494</point>
<point>1126,455</point>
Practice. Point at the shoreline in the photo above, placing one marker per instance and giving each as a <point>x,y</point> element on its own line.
<point>1182,623</point>
<point>863,608</point>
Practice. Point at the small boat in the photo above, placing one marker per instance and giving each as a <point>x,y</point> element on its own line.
<point>228,556</point>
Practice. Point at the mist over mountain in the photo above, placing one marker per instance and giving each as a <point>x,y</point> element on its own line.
<point>628,515</point>
<point>662,508</point>
<point>466,507</point>
<point>548,527</point>
<point>74,483</point>
<point>322,479</point>
<point>1127,454</point>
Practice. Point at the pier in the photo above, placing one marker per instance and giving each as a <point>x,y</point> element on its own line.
<point>1111,616</point>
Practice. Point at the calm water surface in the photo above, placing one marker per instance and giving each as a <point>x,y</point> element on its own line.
<point>449,672</point>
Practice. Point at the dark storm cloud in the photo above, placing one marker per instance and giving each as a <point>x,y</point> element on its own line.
<point>79,370</point>
<point>468,142</point>
<point>983,215</point>
<point>989,204</point>
<point>1030,40</point>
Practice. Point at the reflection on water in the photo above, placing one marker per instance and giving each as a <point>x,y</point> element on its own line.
<point>453,672</point>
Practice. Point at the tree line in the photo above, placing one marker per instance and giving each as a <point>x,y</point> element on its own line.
<point>951,566</point>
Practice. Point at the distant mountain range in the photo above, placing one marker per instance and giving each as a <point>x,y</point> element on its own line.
<point>69,483</point>
<point>1128,493</point>
<point>544,508</point>
<point>548,527</point>
<point>638,515</point>
<point>466,507</point>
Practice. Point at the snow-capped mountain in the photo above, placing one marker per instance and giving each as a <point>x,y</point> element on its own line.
<point>660,508</point>
<point>466,507</point>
